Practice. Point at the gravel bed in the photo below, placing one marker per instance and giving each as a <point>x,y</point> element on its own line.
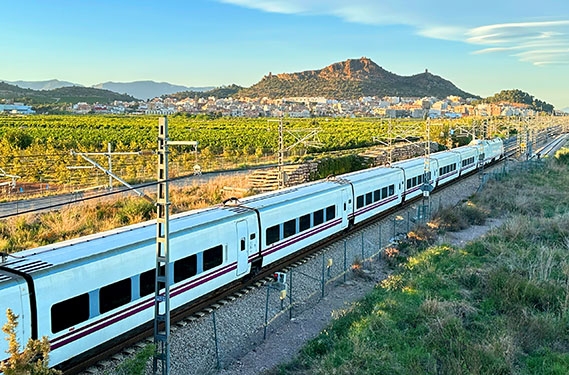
<point>240,324</point>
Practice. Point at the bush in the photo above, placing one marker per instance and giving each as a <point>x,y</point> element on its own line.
<point>33,359</point>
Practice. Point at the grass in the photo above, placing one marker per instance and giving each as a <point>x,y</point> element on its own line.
<point>33,230</point>
<point>497,306</point>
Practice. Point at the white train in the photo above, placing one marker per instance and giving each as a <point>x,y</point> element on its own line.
<point>90,291</point>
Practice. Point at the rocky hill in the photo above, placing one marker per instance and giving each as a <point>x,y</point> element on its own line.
<point>351,79</point>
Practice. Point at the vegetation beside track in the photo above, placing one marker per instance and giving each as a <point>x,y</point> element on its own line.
<point>497,306</point>
<point>32,230</point>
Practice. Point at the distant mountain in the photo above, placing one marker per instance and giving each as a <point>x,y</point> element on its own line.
<point>42,85</point>
<point>61,95</point>
<point>147,89</point>
<point>566,110</point>
<point>352,79</point>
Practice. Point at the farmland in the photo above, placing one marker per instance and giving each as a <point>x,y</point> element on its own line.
<point>38,148</point>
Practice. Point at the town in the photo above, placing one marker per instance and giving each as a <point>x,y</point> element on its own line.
<point>300,107</point>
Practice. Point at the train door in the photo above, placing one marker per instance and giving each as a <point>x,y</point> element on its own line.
<point>348,208</point>
<point>242,247</point>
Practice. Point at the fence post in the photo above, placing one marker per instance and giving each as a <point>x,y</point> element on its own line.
<point>363,246</point>
<point>215,338</point>
<point>290,294</point>
<point>380,244</point>
<point>323,275</point>
<point>345,260</point>
<point>266,313</point>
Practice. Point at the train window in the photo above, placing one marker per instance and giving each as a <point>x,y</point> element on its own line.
<point>289,228</point>
<point>377,195</point>
<point>212,257</point>
<point>273,234</point>
<point>391,190</point>
<point>419,179</point>
<point>185,268</point>
<point>409,184</point>
<point>242,244</point>
<point>318,217</point>
<point>70,312</point>
<point>304,222</point>
<point>369,198</point>
<point>414,181</point>
<point>384,192</point>
<point>427,176</point>
<point>252,236</point>
<point>114,295</point>
<point>147,282</point>
<point>360,201</point>
<point>331,212</point>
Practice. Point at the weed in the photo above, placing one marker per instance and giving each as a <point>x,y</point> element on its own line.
<point>137,364</point>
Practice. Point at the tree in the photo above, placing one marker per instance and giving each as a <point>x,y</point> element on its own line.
<point>33,359</point>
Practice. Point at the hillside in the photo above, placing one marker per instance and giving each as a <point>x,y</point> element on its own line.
<point>72,94</point>
<point>42,85</point>
<point>351,79</point>
<point>521,97</point>
<point>492,305</point>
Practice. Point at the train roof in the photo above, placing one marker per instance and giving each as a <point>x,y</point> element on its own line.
<point>476,142</point>
<point>367,173</point>
<point>409,162</point>
<point>292,193</point>
<point>85,247</point>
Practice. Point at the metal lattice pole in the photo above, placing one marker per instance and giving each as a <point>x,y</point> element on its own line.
<point>281,155</point>
<point>163,279</point>
<point>162,300</point>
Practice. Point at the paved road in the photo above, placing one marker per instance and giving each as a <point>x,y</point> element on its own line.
<point>57,201</point>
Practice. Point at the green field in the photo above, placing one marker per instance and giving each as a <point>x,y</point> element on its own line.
<point>38,148</point>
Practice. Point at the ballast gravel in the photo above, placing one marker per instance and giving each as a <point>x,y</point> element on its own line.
<point>233,339</point>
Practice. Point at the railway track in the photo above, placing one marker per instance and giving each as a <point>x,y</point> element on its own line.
<point>229,293</point>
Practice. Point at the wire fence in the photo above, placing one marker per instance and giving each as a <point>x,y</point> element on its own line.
<point>237,327</point>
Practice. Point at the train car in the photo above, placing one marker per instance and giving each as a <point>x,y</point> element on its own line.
<point>16,294</point>
<point>489,150</point>
<point>375,190</point>
<point>414,176</point>
<point>447,165</point>
<point>294,218</point>
<point>469,157</point>
<point>87,292</point>
<point>93,289</point>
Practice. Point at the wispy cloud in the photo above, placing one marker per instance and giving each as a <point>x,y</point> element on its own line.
<point>539,42</point>
<point>357,11</point>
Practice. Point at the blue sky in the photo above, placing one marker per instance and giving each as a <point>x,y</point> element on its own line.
<point>482,47</point>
